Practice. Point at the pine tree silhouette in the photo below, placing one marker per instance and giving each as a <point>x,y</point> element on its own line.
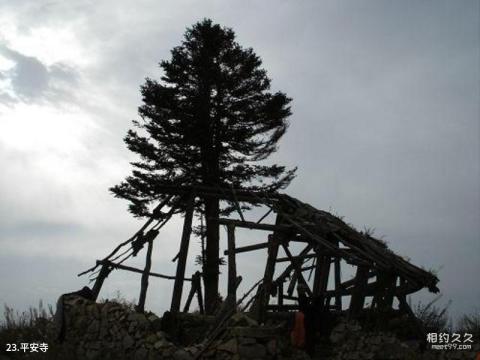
<point>210,120</point>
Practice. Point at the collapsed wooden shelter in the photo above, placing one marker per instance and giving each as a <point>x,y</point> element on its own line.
<point>327,242</point>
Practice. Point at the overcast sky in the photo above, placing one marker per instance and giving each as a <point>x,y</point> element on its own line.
<point>385,129</point>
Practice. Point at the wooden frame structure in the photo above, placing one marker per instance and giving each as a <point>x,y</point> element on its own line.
<point>327,243</point>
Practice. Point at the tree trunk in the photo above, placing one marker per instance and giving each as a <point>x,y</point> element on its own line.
<point>210,272</point>
<point>211,177</point>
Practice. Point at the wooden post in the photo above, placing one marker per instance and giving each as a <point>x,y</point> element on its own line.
<point>232,266</point>
<point>358,294</point>
<point>182,258</point>
<point>263,294</point>
<point>322,272</point>
<point>292,284</point>
<point>280,295</point>
<point>105,270</point>
<point>297,266</point>
<point>193,290</point>
<point>338,280</point>
<point>144,282</point>
<point>390,293</point>
<point>384,291</point>
<point>404,307</point>
<point>199,292</point>
<point>289,268</point>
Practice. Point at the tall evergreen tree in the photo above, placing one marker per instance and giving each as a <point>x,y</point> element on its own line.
<point>210,120</point>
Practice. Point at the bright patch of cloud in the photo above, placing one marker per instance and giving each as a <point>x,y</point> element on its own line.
<point>50,45</point>
<point>43,129</point>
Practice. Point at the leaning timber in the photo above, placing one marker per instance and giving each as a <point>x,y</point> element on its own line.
<point>327,242</point>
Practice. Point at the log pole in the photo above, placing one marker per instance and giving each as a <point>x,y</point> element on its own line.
<point>144,282</point>
<point>359,291</point>
<point>232,265</point>
<point>182,257</point>
<point>104,271</point>
<point>338,280</point>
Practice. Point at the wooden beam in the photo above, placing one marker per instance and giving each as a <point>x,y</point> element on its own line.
<point>137,234</point>
<point>296,258</point>
<point>292,284</point>
<point>358,293</point>
<point>253,226</point>
<point>338,280</point>
<point>182,258</point>
<point>421,333</point>
<point>237,204</point>
<point>195,289</point>
<point>218,193</point>
<point>351,282</point>
<point>325,252</point>
<point>144,281</point>
<point>297,268</point>
<point>280,295</point>
<point>385,291</point>
<point>263,294</point>
<point>190,296</point>
<point>372,288</point>
<point>264,216</point>
<point>239,302</point>
<point>104,271</point>
<point>232,265</point>
<point>267,284</point>
<point>132,269</point>
<point>284,307</point>
<point>198,280</point>
<point>322,272</point>
<point>247,248</point>
<point>289,268</point>
<point>325,243</point>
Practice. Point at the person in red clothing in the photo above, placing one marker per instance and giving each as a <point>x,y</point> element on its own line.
<point>307,320</point>
<point>297,335</point>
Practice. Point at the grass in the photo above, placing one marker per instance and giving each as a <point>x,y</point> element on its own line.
<point>470,323</point>
<point>434,318</point>
<point>34,325</point>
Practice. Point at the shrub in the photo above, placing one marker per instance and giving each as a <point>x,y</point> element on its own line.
<point>470,323</point>
<point>433,318</point>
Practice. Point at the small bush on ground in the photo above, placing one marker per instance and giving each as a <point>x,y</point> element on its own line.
<point>434,318</point>
<point>470,323</point>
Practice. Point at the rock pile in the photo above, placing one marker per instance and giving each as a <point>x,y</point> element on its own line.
<point>245,339</point>
<point>350,342</point>
<point>112,331</point>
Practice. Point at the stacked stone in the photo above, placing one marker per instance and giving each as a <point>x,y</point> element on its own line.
<point>351,343</point>
<point>245,339</point>
<point>112,331</point>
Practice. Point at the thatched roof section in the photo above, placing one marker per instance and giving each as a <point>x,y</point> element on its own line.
<point>362,248</point>
<point>326,230</point>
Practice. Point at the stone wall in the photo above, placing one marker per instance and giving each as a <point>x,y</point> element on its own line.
<point>350,342</point>
<point>113,331</point>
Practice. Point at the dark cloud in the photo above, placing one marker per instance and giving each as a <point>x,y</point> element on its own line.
<point>41,229</point>
<point>33,81</point>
